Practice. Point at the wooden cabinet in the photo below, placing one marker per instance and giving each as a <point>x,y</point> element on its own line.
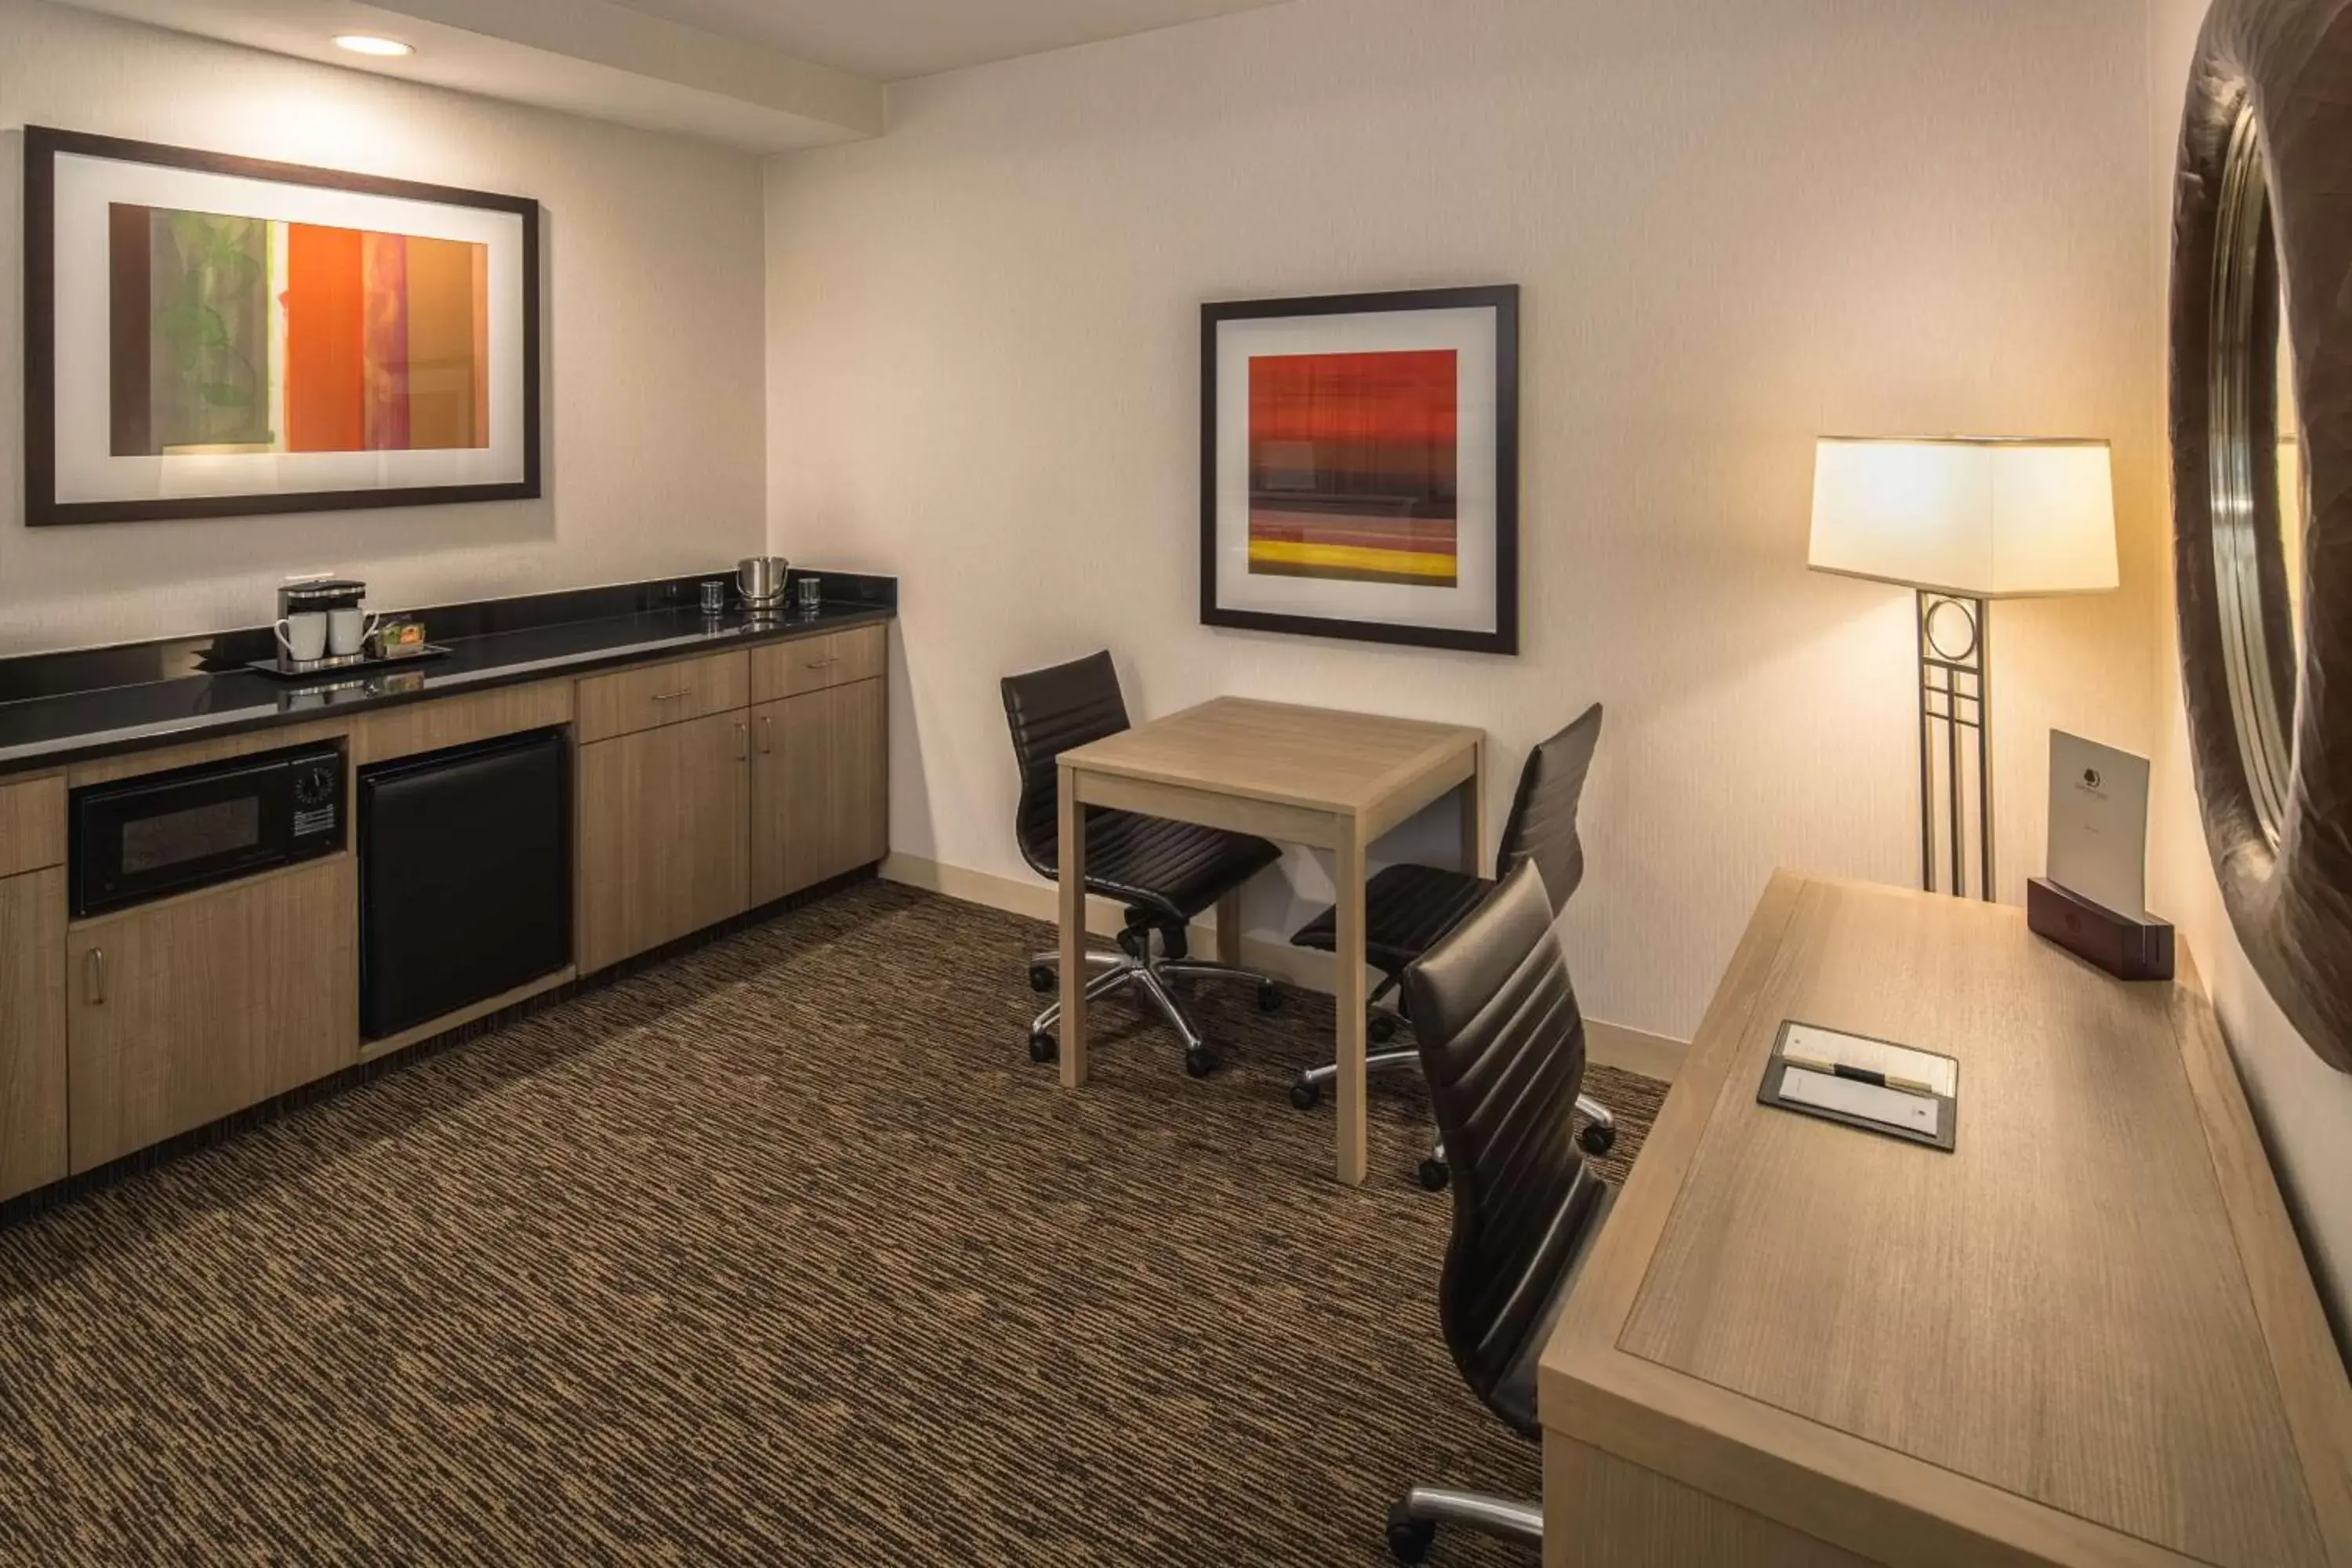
<point>32,824</point>
<point>814,664</point>
<point>664,830</point>
<point>635,699</point>
<point>32,1030</point>
<point>182,1011</point>
<point>820,786</point>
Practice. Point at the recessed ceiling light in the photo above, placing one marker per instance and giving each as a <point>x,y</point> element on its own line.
<point>366,43</point>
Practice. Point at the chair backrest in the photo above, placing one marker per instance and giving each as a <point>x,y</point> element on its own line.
<point>1052,711</point>
<point>1502,1043</point>
<point>1542,824</point>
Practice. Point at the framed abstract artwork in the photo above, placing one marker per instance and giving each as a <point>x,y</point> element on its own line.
<point>210,336</point>
<point>1360,466</point>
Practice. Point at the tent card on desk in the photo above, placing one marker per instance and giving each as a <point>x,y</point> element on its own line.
<point>2098,823</point>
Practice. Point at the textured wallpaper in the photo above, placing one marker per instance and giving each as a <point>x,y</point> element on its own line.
<point>652,422</point>
<point>1739,223</point>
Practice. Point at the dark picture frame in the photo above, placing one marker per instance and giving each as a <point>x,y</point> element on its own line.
<point>1502,301</point>
<point>43,146</point>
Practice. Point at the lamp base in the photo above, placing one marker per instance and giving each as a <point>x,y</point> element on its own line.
<point>2125,948</point>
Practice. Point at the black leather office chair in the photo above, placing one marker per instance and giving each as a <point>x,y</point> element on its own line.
<point>1164,872</point>
<point>1408,908</point>
<point>1503,1045</point>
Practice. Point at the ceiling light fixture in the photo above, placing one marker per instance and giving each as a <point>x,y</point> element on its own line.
<point>366,43</point>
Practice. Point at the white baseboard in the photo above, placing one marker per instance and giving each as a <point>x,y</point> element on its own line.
<point>1606,1044</point>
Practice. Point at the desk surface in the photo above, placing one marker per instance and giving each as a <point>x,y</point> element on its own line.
<point>2085,1334</point>
<point>1315,757</point>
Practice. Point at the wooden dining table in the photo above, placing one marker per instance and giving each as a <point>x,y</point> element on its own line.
<point>1326,778</point>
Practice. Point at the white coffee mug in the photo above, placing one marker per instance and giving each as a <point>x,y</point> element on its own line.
<point>304,636</point>
<point>347,630</point>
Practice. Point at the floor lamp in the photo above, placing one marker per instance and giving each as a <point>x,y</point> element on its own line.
<point>1962,521</point>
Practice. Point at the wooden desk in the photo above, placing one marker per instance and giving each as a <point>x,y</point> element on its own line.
<point>1330,779</point>
<point>2085,1336</point>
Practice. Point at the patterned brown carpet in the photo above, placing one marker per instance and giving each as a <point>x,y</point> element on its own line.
<point>780,1252</point>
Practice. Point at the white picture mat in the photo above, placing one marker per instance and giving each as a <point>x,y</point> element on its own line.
<point>87,469</point>
<point>1471,604</point>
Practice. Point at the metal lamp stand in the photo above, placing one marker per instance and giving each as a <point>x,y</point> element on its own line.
<point>1955,699</point>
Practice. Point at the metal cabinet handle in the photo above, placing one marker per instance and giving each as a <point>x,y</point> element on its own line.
<point>94,977</point>
<point>673,696</point>
<point>767,734</point>
<point>742,743</point>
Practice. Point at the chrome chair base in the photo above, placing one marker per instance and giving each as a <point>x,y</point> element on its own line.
<point>1149,977</point>
<point>1413,1520</point>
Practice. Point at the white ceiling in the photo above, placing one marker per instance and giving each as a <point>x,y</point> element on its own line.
<point>767,75</point>
<point>890,39</point>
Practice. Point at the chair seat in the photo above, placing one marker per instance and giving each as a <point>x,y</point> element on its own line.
<point>1406,910</point>
<point>1589,1201</point>
<point>1170,870</point>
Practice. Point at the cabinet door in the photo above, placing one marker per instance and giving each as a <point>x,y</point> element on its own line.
<point>188,1010</point>
<point>664,827</point>
<point>32,1031</point>
<point>820,805</point>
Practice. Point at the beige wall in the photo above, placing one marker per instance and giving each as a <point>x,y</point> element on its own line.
<point>1738,224</point>
<point>2304,1105</point>
<point>653,423</point>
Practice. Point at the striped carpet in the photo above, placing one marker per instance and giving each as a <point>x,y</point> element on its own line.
<point>781,1251</point>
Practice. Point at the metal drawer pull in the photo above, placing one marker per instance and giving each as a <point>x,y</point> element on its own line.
<point>94,977</point>
<point>821,663</point>
<point>767,734</point>
<point>673,696</point>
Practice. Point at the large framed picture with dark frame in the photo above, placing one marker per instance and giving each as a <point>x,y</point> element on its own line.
<point>216,336</point>
<point>1360,466</point>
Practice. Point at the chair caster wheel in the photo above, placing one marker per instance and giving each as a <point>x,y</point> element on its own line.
<point>1434,1173</point>
<point>1382,1029</point>
<point>1305,1095</point>
<point>1044,1048</point>
<point>1597,1139</point>
<point>1408,1538</point>
<point>1269,997</point>
<point>1041,979</point>
<point>1199,1062</point>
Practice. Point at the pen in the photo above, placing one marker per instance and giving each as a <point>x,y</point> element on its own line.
<point>1862,1074</point>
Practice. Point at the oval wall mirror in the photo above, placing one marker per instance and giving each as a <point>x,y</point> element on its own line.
<point>2261,426</point>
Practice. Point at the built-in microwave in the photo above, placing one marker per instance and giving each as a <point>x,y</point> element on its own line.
<point>159,834</point>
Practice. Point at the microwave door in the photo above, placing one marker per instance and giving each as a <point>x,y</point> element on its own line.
<point>144,841</point>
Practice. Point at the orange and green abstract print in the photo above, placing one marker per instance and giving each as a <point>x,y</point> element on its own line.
<point>1352,466</point>
<point>235,334</point>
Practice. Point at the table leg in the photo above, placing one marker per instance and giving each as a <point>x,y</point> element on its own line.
<point>1072,847</point>
<point>1229,928</point>
<point>1348,997</point>
<point>1471,795</point>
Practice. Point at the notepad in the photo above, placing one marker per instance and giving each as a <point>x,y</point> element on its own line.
<point>1897,1092</point>
<point>1811,1045</point>
<point>1892,1106</point>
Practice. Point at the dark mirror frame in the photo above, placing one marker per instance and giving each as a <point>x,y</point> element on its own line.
<point>2270,74</point>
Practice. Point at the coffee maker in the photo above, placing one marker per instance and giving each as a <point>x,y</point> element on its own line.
<point>319,597</point>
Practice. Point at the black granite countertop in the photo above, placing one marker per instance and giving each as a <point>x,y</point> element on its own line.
<point>48,731</point>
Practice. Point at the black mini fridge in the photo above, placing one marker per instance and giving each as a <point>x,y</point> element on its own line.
<point>465,878</point>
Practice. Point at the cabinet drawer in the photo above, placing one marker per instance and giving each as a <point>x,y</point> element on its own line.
<point>32,824</point>
<point>634,699</point>
<point>813,664</point>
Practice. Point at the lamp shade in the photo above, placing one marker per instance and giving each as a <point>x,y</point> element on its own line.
<point>1979,518</point>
